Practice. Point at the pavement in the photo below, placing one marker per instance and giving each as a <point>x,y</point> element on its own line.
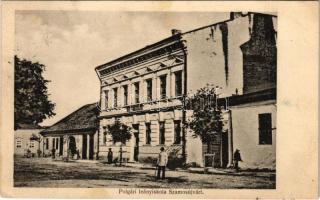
<point>45,172</point>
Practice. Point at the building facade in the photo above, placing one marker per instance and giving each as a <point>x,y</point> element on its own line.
<point>144,90</point>
<point>28,138</point>
<point>75,136</point>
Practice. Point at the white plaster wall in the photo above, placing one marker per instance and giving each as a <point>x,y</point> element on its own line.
<point>206,63</point>
<point>245,123</point>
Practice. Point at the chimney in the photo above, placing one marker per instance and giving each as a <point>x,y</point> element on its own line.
<point>234,15</point>
<point>175,31</point>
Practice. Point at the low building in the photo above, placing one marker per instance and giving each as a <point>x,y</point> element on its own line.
<point>144,90</point>
<point>27,138</point>
<point>75,134</point>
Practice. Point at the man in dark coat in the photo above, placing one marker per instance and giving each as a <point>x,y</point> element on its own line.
<point>110,156</point>
<point>237,158</point>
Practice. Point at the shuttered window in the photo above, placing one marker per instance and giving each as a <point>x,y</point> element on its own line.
<point>265,128</point>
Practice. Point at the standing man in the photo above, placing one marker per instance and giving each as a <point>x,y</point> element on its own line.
<point>237,158</point>
<point>162,163</point>
<point>110,156</point>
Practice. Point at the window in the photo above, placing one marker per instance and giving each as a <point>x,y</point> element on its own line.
<point>104,139</point>
<point>106,98</point>
<point>161,132</point>
<point>148,133</point>
<point>149,89</point>
<point>125,94</point>
<point>178,83</point>
<point>177,132</point>
<point>47,143</point>
<point>57,143</point>
<point>115,97</point>
<point>136,92</point>
<point>163,86</point>
<point>32,144</point>
<point>265,128</point>
<point>18,143</point>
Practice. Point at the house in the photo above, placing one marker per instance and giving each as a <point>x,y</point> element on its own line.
<point>144,90</point>
<point>27,138</point>
<point>75,133</point>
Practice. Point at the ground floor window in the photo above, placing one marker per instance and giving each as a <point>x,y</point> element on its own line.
<point>265,128</point>
<point>162,133</point>
<point>148,133</point>
<point>32,144</point>
<point>177,132</point>
<point>18,143</point>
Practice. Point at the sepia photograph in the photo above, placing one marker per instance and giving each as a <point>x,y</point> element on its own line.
<point>137,99</point>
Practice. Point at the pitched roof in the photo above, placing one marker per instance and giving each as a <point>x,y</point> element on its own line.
<point>83,119</point>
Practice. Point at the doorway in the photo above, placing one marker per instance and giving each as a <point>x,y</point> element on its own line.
<point>91,146</point>
<point>136,142</point>
<point>61,146</point>
<point>84,146</point>
<point>72,145</point>
<point>224,149</point>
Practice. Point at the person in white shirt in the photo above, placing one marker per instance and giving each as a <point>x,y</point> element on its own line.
<point>162,163</point>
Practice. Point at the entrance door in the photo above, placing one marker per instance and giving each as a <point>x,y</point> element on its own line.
<point>61,146</point>
<point>91,147</point>
<point>224,149</point>
<point>136,143</point>
<point>84,146</point>
<point>72,145</point>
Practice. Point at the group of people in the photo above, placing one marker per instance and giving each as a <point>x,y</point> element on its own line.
<point>162,161</point>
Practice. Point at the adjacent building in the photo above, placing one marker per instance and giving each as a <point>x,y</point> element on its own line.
<point>27,138</point>
<point>74,136</point>
<point>144,90</point>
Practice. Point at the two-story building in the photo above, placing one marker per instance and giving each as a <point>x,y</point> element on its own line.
<point>144,90</point>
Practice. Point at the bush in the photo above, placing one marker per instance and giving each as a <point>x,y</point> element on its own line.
<point>148,160</point>
<point>191,164</point>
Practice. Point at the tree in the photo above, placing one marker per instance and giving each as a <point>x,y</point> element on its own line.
<point>31,103</point>
<point>206,121</point>
<point>120,133</point>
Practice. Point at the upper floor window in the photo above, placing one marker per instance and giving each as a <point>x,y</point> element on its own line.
<point>178,83</point>
<point>163,86</point>
<point>125,95</point>
<point>149,89</point>
<point>106,98</point>
<point>265,128</point>
<point>115,97</point>
<point>136,92</point>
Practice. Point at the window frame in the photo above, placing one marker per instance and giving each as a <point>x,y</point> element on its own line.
<point>148,133</point>
<point>163,86</point>
<point>149,89</point>
<point>265,128</point>
<point>115,97</point>
<point>162,130</point>
<point>178,90</point>
<point>125,95</point>
<point>136,92</point>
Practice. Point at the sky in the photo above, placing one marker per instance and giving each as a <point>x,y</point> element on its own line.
<point>72,43</point>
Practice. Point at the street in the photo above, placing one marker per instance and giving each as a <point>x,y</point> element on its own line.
<point>43,172</point>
